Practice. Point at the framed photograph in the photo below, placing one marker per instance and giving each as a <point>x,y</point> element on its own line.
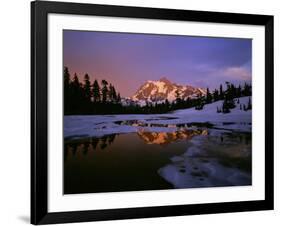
<point>145,112</point>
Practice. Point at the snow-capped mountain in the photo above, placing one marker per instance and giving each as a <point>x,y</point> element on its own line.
<point>157,91</point>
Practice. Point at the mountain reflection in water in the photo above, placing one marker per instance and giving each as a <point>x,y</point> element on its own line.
<point>147,160</point>
<point>162,138</point>
<point>169,137</point>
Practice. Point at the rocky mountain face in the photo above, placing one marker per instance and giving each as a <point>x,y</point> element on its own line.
<point>157,91</point>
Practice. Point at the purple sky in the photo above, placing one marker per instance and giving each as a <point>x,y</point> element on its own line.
<point>128,60</point>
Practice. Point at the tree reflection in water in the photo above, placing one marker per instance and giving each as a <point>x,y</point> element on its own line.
<point>85,145</point>
<point>147,160</point>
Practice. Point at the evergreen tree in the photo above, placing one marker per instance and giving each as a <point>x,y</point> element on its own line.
<point>114,95</point>
<point>66,77</point>
<point>247,91</point>
<point>216,95</point>
<point>227,91</point>
<point>249,107</point>
<point>221,92</point>
<point>75,83</point>
<point>96,91</point>
<point>104,90</point>
<point>188,103</point>
<point>200,104</point>
<point>208,96</point>
<point>225,107</point>
<point>167,103</point>
<point>76,94</point>
<point>87,88</point>
<point>239,91</point>
<point>178,98</point>
<point>232,91</point>
<point>66,90</point>
<point>110,92</point>
<point>118,98</point>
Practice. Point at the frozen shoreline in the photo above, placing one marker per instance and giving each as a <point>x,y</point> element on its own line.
<point>100,125</point>
<point>197,167</point>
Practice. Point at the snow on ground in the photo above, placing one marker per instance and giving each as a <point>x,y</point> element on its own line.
<point>209,113</point>
<point>200,165</point>
<point>198,172</point>
<point>99,125</point>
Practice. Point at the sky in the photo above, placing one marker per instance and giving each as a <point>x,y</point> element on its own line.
<point>128,60</point>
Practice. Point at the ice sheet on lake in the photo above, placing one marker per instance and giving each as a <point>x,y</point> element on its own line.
<point>201,166</point>
<point>195,172</point>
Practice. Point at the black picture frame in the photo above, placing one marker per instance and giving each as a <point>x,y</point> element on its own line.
<point>39,112</point>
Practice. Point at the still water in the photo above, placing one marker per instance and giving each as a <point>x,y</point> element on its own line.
<point>186,158</point>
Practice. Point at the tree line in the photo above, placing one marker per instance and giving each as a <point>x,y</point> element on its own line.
<point>94,98</point>
<point>87,97</point>
<point>233,92</point>
<point>227,95</point>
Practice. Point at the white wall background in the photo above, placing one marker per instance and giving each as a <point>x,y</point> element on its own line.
<point>15,112</point>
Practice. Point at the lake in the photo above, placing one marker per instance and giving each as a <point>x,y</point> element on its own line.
<point>190,157</point>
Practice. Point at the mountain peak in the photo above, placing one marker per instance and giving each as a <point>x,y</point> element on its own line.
<point>164,79</point>
<point>156,91</point>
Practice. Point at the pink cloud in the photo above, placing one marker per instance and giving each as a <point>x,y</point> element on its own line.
<point>237,73</point>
